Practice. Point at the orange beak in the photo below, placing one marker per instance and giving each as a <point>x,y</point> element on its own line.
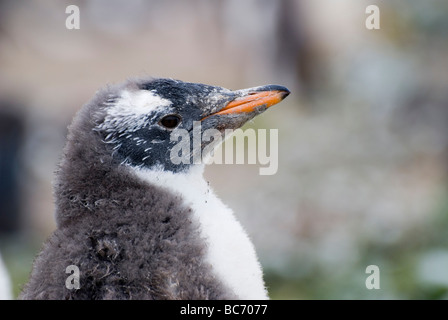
<point>252,101</point>
<point>266,98</point>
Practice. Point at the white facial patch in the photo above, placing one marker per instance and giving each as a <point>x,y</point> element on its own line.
<point>230,252</point>
<point>131,110</point>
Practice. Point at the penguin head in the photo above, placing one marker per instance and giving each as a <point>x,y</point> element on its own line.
<point>143,122</point>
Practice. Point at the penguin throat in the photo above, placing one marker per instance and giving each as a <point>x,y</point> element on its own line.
<point>178,181</point>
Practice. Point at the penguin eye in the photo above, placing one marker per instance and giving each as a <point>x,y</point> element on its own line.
<point>170,121</point>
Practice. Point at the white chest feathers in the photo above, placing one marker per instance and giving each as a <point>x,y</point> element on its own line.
<point>229,249</point>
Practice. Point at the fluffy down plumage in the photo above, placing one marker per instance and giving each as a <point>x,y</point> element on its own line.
<point>122,251</point>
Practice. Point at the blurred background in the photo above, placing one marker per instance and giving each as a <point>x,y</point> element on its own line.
<point>363,138</point>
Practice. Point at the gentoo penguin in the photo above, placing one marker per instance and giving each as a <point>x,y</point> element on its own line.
<point>5,284</point>
<point>132,223</point>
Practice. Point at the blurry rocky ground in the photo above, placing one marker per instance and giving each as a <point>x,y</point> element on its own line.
<point>363,137</point>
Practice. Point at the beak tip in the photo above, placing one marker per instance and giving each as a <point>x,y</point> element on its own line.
<point>285,93</point>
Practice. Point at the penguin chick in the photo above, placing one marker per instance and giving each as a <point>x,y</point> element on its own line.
<point>133,220</point>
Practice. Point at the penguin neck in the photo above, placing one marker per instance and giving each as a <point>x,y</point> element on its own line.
<point>189,183</point>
